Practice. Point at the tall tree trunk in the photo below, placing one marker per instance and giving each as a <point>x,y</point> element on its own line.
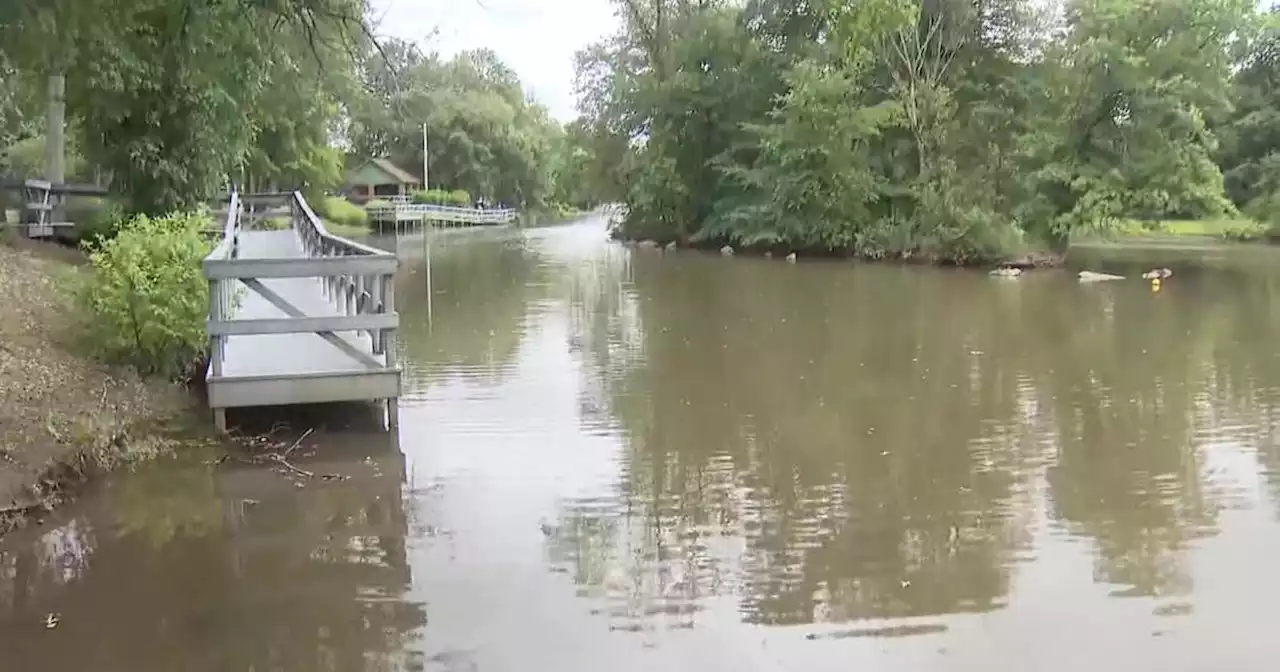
<point>55,157</point>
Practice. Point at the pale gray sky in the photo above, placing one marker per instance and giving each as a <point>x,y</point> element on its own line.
<point>537,38</point>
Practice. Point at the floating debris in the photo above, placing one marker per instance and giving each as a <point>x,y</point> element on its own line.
<point>886,631</point>
<point>1090,276</point>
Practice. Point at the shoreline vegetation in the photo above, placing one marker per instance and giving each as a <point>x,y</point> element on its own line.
<point>249,95</point>
<point>1178,233</point>
<point>68,415</point>
<point>983,133</point>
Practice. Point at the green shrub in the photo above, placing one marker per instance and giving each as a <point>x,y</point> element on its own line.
<point>459,198</point>
<point>456,198</point>
<point>145,299</point>
<point>1243,233</point>
<point>96,220</point>
<point>342,211</point>
<point>273,223</point>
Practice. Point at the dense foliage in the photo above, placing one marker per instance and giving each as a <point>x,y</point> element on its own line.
<point>457,198</point>
<point>340,210</point>
<point>146,299</point>
<point>958,131</point>
<point>484,136</point>
<point>169,101</point>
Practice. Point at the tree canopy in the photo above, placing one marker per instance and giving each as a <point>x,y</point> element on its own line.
<point>952,131</point>
<point>170,100</point>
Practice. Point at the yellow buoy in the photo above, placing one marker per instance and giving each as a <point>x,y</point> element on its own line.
<point>1155,284</point>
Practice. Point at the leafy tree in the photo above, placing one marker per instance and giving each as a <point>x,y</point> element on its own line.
<point>161,90</point>
<point>483,136</point>
<point>1250,150</point>
<point>973,131</point>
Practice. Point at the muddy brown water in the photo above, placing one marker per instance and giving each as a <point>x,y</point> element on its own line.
<point>629,460</point>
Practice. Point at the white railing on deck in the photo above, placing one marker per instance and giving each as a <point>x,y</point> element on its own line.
<point>356,278</point>
<point>228,246</point>
<point>404,210</point>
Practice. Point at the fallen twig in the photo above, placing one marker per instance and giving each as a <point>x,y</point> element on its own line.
<point>290,467</point>
<point>277,457</point>
<point>22,509</point>
<point>297,443</point>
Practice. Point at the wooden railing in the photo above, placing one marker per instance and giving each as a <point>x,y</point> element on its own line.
<point>41,200</point>
<point>356,278</point>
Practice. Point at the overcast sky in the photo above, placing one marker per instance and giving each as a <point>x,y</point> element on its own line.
<point>537,38</point>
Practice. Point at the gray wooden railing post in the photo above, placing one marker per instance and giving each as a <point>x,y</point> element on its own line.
<point>389,345</point>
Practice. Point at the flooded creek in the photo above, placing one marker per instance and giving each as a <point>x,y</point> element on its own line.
<point>615,459</point>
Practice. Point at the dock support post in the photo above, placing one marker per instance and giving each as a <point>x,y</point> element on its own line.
<point>220,420</point>
<point>388,288</point>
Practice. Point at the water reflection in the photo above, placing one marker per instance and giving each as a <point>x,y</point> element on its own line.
<point>634,460</point>
<point>180,568</point>
<point>480,293</point>
<point>861,473</point>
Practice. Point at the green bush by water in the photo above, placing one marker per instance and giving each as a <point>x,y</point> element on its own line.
<point>456,198</point>
<point>145,298</point>
<point>341,211</point>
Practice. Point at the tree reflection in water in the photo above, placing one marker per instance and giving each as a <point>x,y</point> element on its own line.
<point>481,290</point>
<point>826,444</point>
<point>233,570</point>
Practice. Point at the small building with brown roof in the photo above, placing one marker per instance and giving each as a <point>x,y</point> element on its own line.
<point>379,178</point>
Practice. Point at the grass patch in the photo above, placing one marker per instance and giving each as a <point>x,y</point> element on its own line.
<point>1227,229</point>
<point>336,228</point>
<point>341,211</point>
<point>346,230</point>
<point>1216,228</point>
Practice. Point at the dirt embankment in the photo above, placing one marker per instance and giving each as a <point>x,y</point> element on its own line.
<point>63,416</point>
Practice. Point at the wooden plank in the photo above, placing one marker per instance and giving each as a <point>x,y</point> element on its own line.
<point>305,388</point>
<point>78,189</point>
<point>287,308</point>
<point>303,325</point>
<point>301,267</point>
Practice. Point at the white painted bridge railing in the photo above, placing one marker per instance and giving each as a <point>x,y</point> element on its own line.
<point>357,280</point>
<point>404,210</point>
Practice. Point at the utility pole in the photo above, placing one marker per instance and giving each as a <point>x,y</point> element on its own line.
<point>425,184</point>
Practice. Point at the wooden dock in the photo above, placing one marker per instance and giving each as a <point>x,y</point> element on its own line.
<point>400,211</point>
<point>299,316</point>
